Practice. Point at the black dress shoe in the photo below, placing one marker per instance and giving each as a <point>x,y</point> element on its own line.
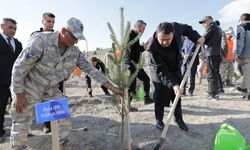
<point>182,124</point>
<point>159,124</point>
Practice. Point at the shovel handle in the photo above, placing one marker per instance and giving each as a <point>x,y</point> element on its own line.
<point>170,115</point>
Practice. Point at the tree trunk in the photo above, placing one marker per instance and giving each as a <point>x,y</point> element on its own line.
<point>125,125</point>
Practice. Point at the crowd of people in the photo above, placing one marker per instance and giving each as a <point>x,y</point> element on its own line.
<point>36,73</point>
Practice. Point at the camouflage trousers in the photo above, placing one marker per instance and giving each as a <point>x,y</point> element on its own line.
<point>227,70</point>
<point>21,124</point>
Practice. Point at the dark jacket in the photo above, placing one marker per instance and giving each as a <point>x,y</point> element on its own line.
<point>7,59</point>
<point>133,52</point>
<point>165,63</point>
<point>213,35</point>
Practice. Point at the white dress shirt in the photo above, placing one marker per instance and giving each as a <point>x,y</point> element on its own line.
<point>12,42</point>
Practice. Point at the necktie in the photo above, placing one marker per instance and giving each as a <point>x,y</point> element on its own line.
<point>9,43</point>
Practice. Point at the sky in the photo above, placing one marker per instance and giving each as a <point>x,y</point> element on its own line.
<point>96,13</point>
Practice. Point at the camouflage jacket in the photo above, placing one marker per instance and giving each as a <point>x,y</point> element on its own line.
<point>40,67</point>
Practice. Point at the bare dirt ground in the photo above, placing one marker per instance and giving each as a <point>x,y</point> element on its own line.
<point>202,116</point>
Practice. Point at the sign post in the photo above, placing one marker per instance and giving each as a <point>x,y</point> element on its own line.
<point>55,135</point>
<point>53,111</point>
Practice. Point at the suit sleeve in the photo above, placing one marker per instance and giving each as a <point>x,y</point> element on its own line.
<point>187,30</point>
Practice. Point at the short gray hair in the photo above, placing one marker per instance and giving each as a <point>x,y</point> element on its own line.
<point>48,14</point>
<point>140,22</point>
<point>5,20</point>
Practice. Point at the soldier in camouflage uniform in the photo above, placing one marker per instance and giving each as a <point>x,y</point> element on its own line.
<point>48,59</point>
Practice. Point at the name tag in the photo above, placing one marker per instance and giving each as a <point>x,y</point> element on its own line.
<point>52,110</point>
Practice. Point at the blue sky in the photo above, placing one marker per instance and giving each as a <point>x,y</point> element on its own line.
<point>96,13</point>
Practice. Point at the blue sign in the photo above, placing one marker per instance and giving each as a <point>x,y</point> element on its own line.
<point>52,110</point>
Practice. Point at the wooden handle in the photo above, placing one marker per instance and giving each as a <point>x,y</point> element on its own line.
<point>170,115</point>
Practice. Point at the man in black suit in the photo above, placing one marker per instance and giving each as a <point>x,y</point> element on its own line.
<point>132,57</point>
<point>10,48</point>
<point>165,68</point>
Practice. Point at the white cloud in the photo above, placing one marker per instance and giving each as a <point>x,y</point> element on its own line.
<point>231,12</point>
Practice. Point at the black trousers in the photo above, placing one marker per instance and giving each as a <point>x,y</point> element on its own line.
<point>142,75</point>
<point>213,64</point>
<point>4,97</point>
<point>159,111</point>
<point>191,78</point>
<point>105,90</point>
<point>163,96</point>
